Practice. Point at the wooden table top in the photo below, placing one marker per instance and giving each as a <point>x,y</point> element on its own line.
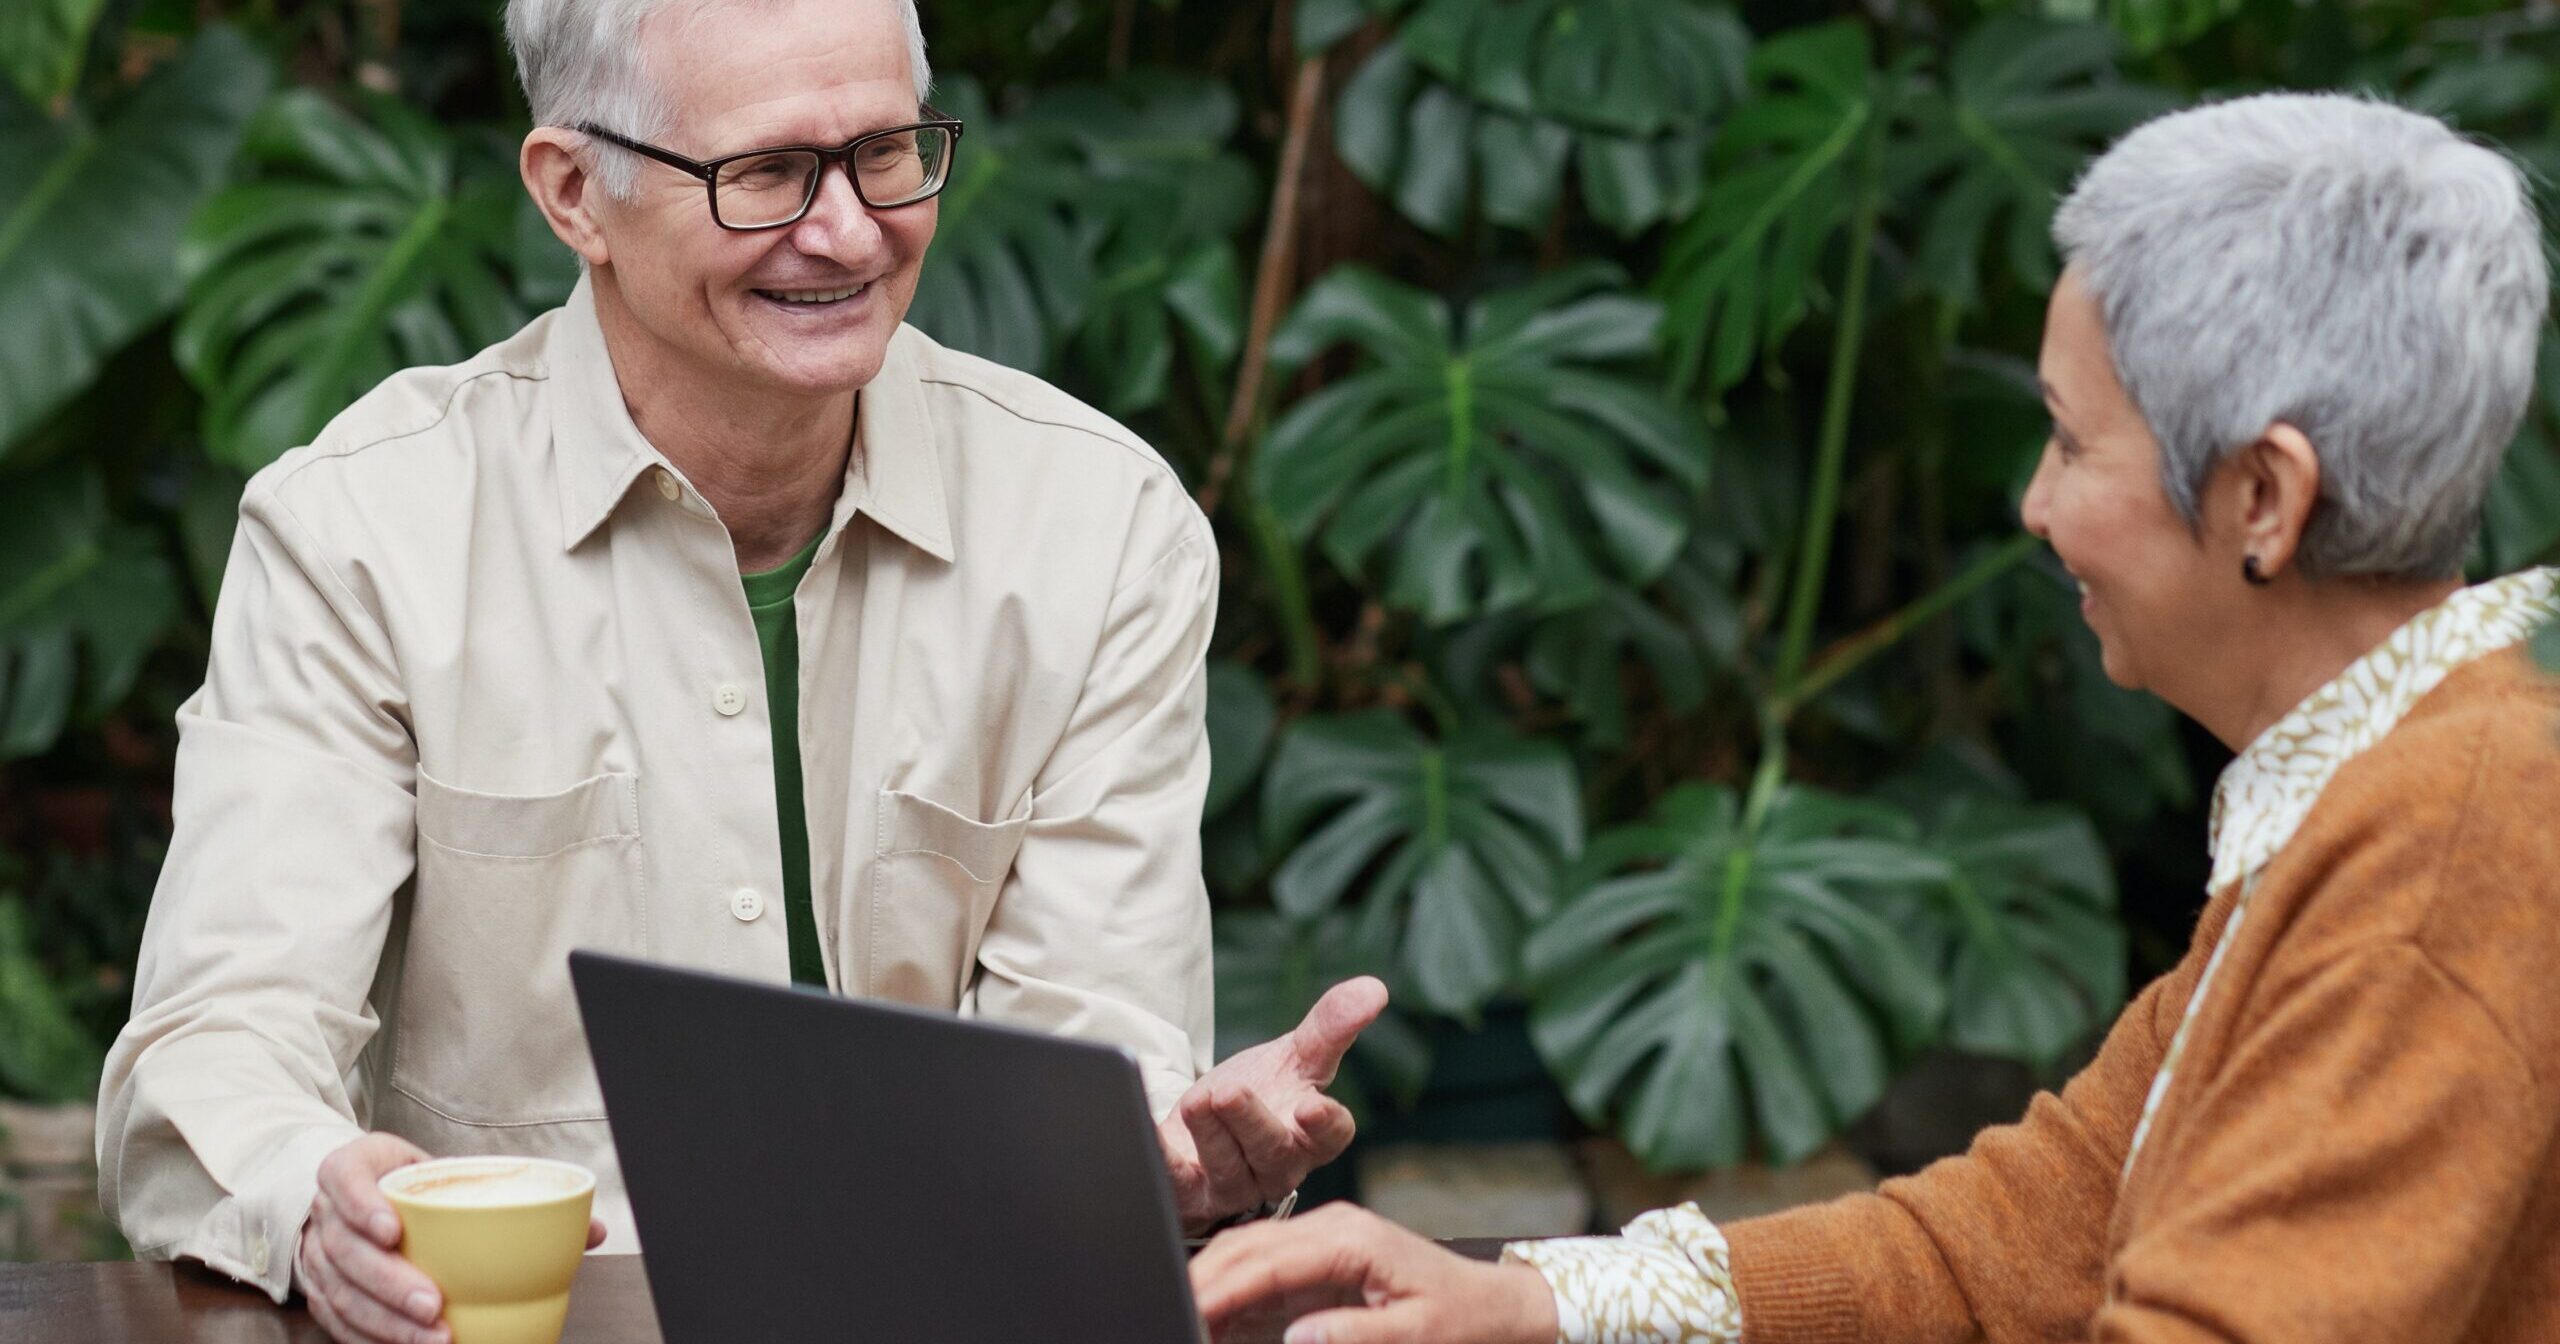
<point>126,1302</point>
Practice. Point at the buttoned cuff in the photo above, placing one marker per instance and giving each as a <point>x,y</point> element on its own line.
<point>254,1235</point>
<point>1667,1280</point>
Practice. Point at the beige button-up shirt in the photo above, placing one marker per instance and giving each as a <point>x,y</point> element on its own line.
<point>484,688</point>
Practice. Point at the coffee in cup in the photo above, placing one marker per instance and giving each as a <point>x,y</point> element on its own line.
<point>502,1238</point>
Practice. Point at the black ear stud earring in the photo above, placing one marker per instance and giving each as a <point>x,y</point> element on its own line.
<point>2249,571</point>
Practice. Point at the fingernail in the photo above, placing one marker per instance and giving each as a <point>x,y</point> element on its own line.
<point>1303,1333</point>
<point>422,1304</point>
<point>386,1229</point>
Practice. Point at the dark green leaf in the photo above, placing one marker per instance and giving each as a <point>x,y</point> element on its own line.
<point>1241,717</point>
<point>41,42</point>
<point>1489,453</point>
<point>1458,843</point>
<point>1716,992</point>
<point>90,217</point>
<point>371,245</point>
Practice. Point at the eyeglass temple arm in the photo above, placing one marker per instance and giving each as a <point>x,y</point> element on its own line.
<point>666,156</point>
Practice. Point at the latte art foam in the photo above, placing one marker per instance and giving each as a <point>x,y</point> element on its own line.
<point>496,1184</point>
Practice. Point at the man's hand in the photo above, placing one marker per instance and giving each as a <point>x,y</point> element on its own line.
<point>1410,1291</point>
<point>349,1265</point>
<point>1253,1127</point>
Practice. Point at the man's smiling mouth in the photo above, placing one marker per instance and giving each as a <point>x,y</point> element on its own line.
<point>814,298</point>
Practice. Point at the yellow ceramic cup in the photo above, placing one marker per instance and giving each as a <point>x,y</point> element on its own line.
<point>501,1237</point>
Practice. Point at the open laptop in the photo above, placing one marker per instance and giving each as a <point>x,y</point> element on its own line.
<point>807,1167</point>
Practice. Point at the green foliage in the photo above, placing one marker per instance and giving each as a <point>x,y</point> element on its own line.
<point>84,599</point>
<point>359,248</point>
<point>1485,103</point>
<point>1096,221</point>
<point>2025,104</point>
<point>1741,270</point>
<point>44,1053</point>
<point>91,206</point>
<point>1490,450</point>
<point>1724,981</point>
<point>1458,841</point>
<point>41,43</point>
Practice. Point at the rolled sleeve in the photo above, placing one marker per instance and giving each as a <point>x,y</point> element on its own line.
<point>294,829</point>
<point>1102,929</point>
<point>1667,1280</point>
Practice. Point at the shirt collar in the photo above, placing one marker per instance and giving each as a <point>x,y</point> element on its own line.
<point>2266,791</point>
<point>597,452</point>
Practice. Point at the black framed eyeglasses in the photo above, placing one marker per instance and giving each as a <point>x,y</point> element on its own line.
<point>774,187</point>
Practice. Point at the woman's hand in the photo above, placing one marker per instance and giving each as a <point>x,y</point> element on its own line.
<point>1410,1291</point>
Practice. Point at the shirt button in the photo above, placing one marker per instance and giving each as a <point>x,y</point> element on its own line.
<point>746,904</point>
<point>667,487</point>
<point>728,699</point>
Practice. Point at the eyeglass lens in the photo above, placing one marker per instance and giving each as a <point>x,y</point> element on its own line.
<point>766,189</point>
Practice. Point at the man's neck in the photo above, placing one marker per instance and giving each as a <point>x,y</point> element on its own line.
<point>770,467</point>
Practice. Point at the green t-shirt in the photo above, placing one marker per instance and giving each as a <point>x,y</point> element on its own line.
<point>778,632</point>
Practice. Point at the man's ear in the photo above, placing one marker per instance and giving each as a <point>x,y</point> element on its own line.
<point>556,176</point>
<point>2278,481</point>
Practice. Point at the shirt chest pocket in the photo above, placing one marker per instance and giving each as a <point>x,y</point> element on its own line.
<point>488,1030</point>
<point>934,883</point>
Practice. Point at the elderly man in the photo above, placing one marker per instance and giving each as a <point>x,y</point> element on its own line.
<point>716,617</point>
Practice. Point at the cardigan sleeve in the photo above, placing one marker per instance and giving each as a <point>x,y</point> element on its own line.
<point>2006,1242</point>
<point>2352,1173</point>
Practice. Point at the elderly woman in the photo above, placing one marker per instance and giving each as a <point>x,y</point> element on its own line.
<point>2291,339</point>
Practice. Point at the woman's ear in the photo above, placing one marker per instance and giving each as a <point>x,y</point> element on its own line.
<point>2278,480</point>
<point>557,178</point>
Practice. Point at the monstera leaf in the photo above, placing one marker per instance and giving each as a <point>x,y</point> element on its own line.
<point>1096,220</point>
<point>363,247</point>
<point>83,601</point>
<point>2037,959</point>
<point>90,216</point>
<point>2025,105</point>
<point>1490,100</point>
<point>1271,969</point>
<point>41,42</point>
<point>1241,719</point>
<point>1740,269</point>
<point>1489,451</point>
<point>1715,987</point>
<point>1455,844</point>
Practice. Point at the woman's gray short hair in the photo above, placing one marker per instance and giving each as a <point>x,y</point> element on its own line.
<point>2350,268</point>
<point>580,61</point>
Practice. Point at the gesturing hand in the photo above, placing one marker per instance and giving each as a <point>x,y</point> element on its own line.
<point>359,1288</point>
<point>1253,1127</point>
<point>1408,1290</point>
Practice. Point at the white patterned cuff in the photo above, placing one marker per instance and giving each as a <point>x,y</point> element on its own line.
<point>1667,1280</point>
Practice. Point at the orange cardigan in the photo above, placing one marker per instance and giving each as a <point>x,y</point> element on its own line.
<point>2359,1141</point>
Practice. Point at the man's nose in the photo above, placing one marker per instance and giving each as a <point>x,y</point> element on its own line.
<point>838,223</point>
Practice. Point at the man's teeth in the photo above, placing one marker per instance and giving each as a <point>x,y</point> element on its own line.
<point>812,295</point>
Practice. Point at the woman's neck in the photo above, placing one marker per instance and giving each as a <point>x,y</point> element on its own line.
<point>2300,636</point>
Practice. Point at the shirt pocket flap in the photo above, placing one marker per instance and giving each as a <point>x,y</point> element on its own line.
<point>528,826</point>
<point>912,824</point>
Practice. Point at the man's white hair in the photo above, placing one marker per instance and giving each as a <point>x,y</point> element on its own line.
<point>580,61</point>
<point>2353,269</point>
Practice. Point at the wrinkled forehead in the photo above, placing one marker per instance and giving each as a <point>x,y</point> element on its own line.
<point>739,73</point>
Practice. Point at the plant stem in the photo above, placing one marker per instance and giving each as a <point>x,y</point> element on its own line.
<point>1273,276</point>
<point>1844,657</point>
<point>1822,513</point>
<point>1281,566</point>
